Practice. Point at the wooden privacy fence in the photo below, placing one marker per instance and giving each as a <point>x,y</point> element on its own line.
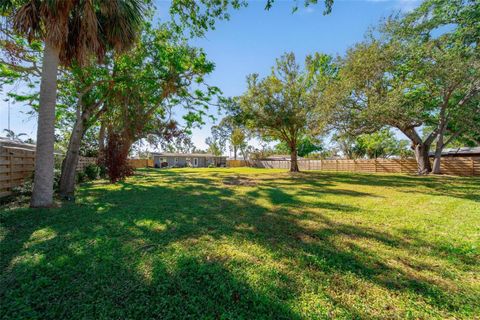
<point>140,163</point>
<point>83,162</point>
<point>459,166</point>
<point>16,165</point>
<point>236,163</point>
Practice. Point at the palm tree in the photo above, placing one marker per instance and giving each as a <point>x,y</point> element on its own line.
<point>72,31</point>
<point>10,134</point>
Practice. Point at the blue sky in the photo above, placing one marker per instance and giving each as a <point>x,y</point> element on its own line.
<point>253,38</point>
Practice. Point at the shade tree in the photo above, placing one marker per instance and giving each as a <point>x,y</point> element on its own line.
<point>162,72</point>
<point>69,31</point>
<point>408,84</point>
<point>286,105</point>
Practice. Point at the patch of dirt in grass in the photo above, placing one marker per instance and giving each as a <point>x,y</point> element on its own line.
<point>239,181</point>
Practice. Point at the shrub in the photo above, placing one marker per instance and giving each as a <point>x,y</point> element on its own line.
<point>57,173</point>
<point>81,177</point>
<point>102,171</point>
<point>92,171</point>
<point>25,189</point>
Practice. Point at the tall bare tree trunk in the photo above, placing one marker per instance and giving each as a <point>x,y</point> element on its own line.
<point>423,160</point>
<point>42,195</point>
<point>69,166</point>
<point>438,152</point>
<point>440,145</point>
<point>101,143</point>
<point>293,159</point>
<point>234,152</point>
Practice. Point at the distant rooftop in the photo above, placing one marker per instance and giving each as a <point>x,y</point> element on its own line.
<point>172,154</point>
<point>464,151</point>
<point>279,157</point>
<point>16,143</point>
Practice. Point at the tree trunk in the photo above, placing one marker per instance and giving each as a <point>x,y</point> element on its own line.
<point>42,195</point>
<point>440,145</point>
<point>293,159</point>
<point>423,161</point>
<point>234,152</point>
<point>438,152</point>
<point>101,143</point>
<point>69,166</point>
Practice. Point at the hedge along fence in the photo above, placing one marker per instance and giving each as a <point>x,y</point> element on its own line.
<point>458,166</point>
<point>17,165</point>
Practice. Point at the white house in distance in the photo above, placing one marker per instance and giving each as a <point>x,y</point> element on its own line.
<point>197,160</point>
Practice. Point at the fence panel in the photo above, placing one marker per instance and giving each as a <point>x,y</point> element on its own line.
<point>236,163</point>
<point>83,162</point>
<point>17,165</point>
<point>476,166</point>
<point>457,166</point>
<point>140,163</point>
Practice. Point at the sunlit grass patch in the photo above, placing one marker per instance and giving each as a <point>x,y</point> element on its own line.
<point>267,244</point>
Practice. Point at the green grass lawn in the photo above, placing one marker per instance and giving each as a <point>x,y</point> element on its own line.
<point>247,244</point>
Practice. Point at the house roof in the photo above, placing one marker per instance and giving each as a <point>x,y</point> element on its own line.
<point>16,143</point>
<point>279,157</point>
<point>464,151</point>
<point>198,155</point>
<point>20,145</point>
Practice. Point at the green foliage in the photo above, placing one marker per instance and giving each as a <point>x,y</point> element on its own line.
<point>306,146</point>
<point>81,177</point>
<point>92,171</point>
<point>102,171</point>
<point>154,78</point>
<point>287,104</point>
<point>418,71</point>
<point>379,144</point>
<point>213,146</point>
<point>200,16</point>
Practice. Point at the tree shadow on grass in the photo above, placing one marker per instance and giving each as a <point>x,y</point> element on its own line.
<point>458,187</point>
<point>103,280</point>
<point>121,254</point>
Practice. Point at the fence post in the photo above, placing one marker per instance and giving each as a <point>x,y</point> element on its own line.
<point>10,178</point>
<point>473,166</point>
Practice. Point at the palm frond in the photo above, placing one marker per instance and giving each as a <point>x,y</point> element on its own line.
<point>80,28</point>
<point>27,20</point>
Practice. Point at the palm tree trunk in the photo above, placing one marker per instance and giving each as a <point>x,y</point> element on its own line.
<point>42,195</point>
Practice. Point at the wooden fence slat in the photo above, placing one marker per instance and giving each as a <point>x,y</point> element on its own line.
<point>459,166</point>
